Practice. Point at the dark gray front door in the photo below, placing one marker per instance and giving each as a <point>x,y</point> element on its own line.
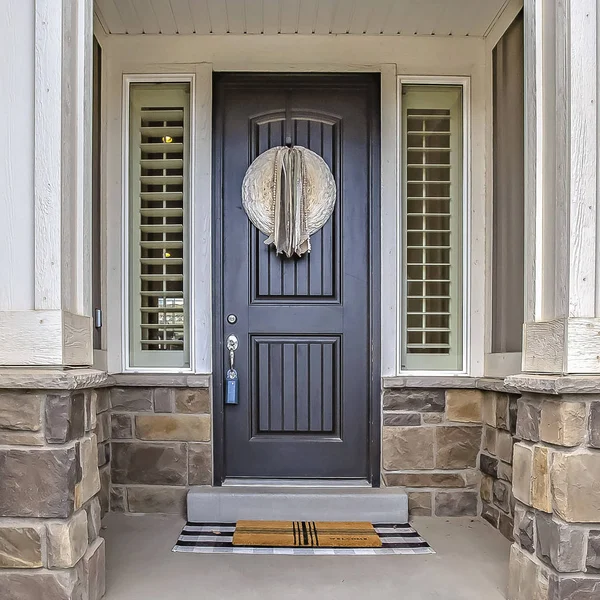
<point>305,358</point>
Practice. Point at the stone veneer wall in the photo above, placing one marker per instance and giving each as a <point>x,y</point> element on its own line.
<point>556,483</point>
<point>103,437</point>
<point>160,445</point>
<point>431,445</point>
<point>500,422</point>
<point>50,506</point>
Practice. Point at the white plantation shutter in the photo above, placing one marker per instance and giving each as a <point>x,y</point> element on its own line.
<point>159,150</point>
<point>432,216</point>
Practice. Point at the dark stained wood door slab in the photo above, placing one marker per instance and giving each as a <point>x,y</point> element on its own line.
<point>305,325</point>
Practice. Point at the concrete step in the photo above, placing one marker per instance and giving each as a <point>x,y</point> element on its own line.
<point>231,504</point>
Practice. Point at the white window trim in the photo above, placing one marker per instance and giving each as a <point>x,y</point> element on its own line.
<point>502,364</point>
<point>125,216</point>
<point>465,83</point>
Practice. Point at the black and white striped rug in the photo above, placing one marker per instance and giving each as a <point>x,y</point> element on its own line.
<point>217,538</point>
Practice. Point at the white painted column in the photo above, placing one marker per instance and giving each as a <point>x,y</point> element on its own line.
<point>50,324</point>
<point>562,329</point>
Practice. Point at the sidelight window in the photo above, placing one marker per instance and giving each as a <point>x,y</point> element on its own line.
<point>158,232</point>
<point>432,202</point>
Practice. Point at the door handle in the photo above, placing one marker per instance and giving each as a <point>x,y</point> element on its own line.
<point>232,346</point>
<point>231,378</point>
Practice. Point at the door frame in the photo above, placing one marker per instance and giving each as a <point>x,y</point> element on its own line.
<point>220,79</point>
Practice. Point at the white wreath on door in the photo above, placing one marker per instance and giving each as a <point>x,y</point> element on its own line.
<point>289,193</point>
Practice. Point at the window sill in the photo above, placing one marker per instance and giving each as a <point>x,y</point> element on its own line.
<point>448,382</point>
<point>161,380</point>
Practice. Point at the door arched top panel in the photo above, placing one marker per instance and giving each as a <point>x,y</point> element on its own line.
<point>267,117</point>
<point>316,116</point>
<point>312,277</point>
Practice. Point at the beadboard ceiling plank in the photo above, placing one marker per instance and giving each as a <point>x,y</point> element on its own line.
<point>200,16</point>
<point>307,17</point>
<point>236,16</point>
<point>147,16</point>
<point>111,16</point>
<point>164,14</point>
<point>378,18</point>
<point>343,15</point>
<point>325,13</point>
<point>360,17</point>
<point>271,16</point>
<point>218,16</point>
<point>290,10</point>
<point>254,16</point>
<point>183,16</point>
<point>130,18</point>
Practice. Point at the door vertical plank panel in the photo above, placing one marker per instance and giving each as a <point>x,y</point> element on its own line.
<point>260,144</point>
<point>275,264</point>
<point>302,392</point>
<point>276,388</point>
<point>316,386</point>
<point>301,131</point>
<point>288,266</point>
<point>289,387</point>
<point>261,261</point>
<point>315,282</point>
<point>261,140</point>
<point>327,232</point>
<point>328,254</point>
<point>263,375</point>
<point>329,368</point>
<point>316,264</point>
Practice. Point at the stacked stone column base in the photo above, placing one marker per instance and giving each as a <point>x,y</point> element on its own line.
<point>50,506</point>
<point>556,484</point>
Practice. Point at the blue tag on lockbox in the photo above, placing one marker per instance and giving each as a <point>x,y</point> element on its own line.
<point>232,385</point>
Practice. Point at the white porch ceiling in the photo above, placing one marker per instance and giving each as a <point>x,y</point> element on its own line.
<point>304,17</point>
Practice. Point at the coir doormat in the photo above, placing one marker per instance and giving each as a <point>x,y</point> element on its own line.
<point>302,534</point>
<point>217,538</point>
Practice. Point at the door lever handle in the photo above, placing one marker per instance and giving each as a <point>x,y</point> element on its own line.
<point>232,346</point>
<point>231,378</point>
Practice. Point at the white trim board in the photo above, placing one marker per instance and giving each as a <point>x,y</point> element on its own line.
<point>502,364</point>
<point>45,337</point>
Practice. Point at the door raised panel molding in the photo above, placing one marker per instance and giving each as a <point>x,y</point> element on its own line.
<point>296,387</point>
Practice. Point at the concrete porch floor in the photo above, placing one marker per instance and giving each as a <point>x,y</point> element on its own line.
<point>471,563</point>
